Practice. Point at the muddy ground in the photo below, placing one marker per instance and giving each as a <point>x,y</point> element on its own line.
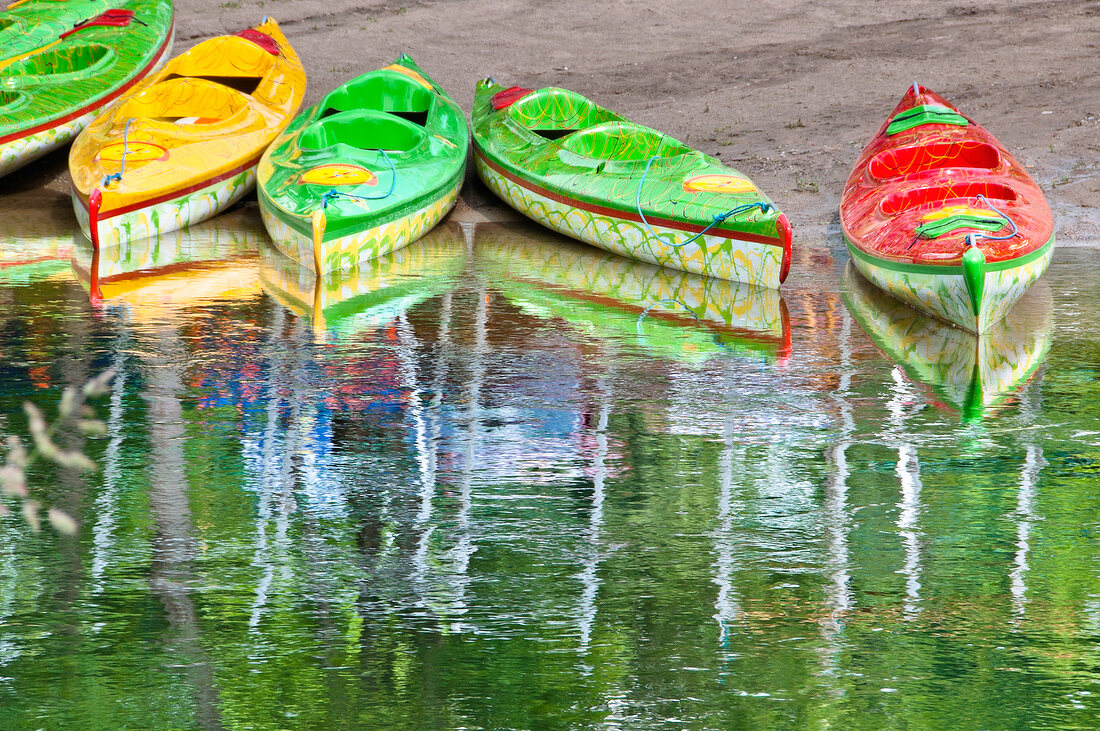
<point>788,92</point>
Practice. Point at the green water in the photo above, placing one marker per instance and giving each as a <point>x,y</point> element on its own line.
<point>479,496</point>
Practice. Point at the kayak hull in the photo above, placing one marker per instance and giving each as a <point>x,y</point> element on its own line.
<point>939,214</point>
<point>944,292</point>
<point>370,168</point>
<point>184,145</point>
<point>355,249</point>
<point>163,216</point>
<point>741,260</point>
<point>589,173</point>
<point>22,151</point>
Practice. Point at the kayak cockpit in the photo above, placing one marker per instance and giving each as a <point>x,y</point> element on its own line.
<point>383,91</point>
<point>364,129</point>
<point>915,159</point>
<point>553,114</point>
<point>185,100</point>
<point>622,142</point>
<point>85,58</point>
<point>242,84</point>
<point>903,200</point>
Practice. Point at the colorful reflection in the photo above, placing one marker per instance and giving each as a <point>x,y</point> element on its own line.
<point>477,496</point>
<point>370,296</point>
<point>676,314</point>
<point>973,375</point>
<point>158,276</point>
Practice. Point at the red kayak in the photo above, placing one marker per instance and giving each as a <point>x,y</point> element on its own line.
<point>937,213</point>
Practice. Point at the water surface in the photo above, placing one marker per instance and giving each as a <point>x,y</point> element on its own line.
<point>501,481</point>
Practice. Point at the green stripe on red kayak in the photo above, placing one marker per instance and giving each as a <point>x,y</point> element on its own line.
<point>925,114</point>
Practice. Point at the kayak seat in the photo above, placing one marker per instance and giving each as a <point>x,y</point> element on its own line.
<point>184,98</point>
<point>920,158</point>
<point>555,113</point>
<point>903,200</point>
<point>384,91</point>
<point>365,130</point>
<point>8,98</point>
<point>57,61</point>
<point>243,84</point>
<point>622,142</point>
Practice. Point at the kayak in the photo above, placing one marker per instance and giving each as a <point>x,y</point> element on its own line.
<point>975,375</point>
<point>372,167</point>
<point>62,63</point>
<point>183,145</point>
<point>590,174</point>
<point>937,213</point>
<point>669,313</point>
<point>352,301</point>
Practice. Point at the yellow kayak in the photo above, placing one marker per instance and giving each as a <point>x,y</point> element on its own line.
<point>183,145</point>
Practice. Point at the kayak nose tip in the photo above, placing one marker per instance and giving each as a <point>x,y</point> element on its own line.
<point>783,228</point>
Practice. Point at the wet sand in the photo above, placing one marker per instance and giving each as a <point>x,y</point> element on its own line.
<point>786,92</point>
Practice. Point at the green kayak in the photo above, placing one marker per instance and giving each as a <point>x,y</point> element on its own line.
<point>370,169</point>
<point>586,172</point>
<point>29,25</point>
<point>61,63</point>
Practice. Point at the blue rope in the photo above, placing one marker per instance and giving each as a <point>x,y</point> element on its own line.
<point>716,218</point>
<point>125,151</point>
<point>334,194</point>
<point>670,301</point>
<point>666,301</point>
<point>970,238</point>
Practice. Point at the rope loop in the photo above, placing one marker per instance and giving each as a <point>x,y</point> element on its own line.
<point>716,219</point>
<point>665,301</point>
<point>125,151</point>
<point>971,238</point>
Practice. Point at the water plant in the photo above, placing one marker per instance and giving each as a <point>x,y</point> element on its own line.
<point>73,413</point>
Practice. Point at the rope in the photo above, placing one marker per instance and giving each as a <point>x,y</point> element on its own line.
<point>125,150</point>
<point>688,310</point>
<point>334,193</point>
<point>715,219</point>
<point>970,238</point>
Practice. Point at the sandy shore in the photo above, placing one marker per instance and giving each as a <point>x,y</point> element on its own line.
<point>786,92</point>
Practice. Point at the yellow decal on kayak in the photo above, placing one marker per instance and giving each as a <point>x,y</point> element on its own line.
<point>410,73</point>
<point>718,184</point>
<point>948,211</point>
<point>338,174</point>
<point>133,152</point>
